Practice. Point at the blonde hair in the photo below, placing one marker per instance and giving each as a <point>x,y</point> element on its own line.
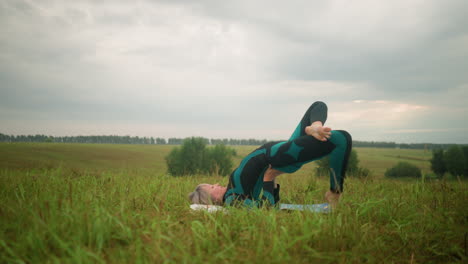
<point>200,195</point>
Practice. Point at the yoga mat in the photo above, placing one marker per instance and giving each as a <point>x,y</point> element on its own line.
<point>316,208</point>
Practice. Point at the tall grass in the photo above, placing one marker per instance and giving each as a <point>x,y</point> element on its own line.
<point>131,215</point>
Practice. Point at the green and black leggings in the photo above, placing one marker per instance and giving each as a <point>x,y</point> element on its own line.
<point>246,185</point>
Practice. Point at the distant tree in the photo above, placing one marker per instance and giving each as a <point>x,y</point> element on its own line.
<point>160,141</point>
<point>455,160</point>
<point>405,146</point>
<point>438,163</point>
<point>5,138</point>
<point>403,169</point>
<point>373,144</point>
<point>175,141</point>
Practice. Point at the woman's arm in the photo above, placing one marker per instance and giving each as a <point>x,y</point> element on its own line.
<point>271,174</point>
<point>269,184</point>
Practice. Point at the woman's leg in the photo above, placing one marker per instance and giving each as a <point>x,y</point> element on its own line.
<point>339,159</point>
<point>316,112</point>
<point>289,156</point>
<point>341,140</point>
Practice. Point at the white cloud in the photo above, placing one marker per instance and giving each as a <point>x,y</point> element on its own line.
<point>419,131</point>
<point>377,114</point>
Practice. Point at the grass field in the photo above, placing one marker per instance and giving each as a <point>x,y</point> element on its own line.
<point>79,203</point>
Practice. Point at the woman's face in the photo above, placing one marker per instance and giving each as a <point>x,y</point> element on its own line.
<point>217,191</point>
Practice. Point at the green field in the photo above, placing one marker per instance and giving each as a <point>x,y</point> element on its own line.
<point>83,203</point>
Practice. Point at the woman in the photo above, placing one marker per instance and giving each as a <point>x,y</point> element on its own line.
<point>252,183</point>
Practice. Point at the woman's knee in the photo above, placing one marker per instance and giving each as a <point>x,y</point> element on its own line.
<point>347,136</point>
<point>341,138</point>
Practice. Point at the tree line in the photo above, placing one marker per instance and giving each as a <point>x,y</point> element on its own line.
<point>124,140</point>
<point>383,144</point>
<point>83,139</point>
<point>225,141</point>
<point>114,139</point>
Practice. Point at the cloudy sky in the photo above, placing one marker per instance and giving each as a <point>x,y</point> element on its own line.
<point>388,70</point>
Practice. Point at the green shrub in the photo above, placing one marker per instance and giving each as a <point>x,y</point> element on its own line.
<point>431,175</point>
<point>465,153</point>
<point>403,169</point>
<point>353,169</point>
<point>438,163</point>
<point>193,157</point>
<point>175,165</point>
<point>219,160</point>
<point>359,172</point>
<point>454,159</point>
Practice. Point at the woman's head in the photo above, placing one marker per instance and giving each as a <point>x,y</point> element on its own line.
<point>207,194</point>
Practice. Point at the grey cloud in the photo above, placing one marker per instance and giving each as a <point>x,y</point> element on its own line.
<point>420,60</point>
<point>175,62</point>
<point>23,7</point>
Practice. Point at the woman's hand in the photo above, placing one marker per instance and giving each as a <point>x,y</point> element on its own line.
<point>318,131</point>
